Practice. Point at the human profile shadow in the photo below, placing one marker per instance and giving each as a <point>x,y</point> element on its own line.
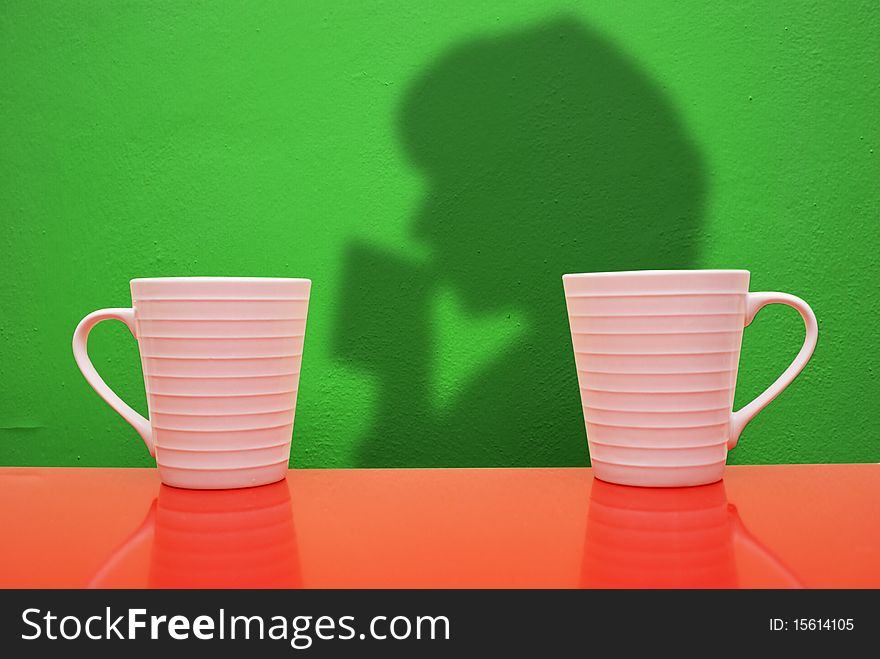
<point>544,151</point>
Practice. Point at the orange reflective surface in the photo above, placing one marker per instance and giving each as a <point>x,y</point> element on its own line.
<point>762,527</point>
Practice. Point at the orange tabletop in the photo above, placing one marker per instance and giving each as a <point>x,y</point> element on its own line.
<point>814,526</point>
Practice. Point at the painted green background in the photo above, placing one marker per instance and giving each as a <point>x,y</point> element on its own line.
<point>435,168</point>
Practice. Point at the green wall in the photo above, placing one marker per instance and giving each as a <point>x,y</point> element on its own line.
<point>435,168</point>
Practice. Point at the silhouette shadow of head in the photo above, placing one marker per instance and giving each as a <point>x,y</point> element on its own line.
<point>545,151</point>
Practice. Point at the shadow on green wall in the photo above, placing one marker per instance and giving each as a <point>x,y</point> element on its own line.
<point>545,151</point>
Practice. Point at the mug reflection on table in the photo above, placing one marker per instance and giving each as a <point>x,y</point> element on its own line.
<point>213,539</point>
<point>668,538</point>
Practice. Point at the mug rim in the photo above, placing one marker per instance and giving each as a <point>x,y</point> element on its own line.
<point>225,279</point>
<point>632,273</point>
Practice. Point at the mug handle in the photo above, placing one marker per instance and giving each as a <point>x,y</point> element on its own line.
<point>139,535</point>
<point>742,534</point>
<point>81,354</point>
<point>754,303</point>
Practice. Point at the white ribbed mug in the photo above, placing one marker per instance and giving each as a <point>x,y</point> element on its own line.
<point>657,353</point>
<point>221,361</point>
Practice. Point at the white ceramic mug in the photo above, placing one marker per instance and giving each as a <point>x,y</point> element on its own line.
<point>657,353</point>
<point>221,361</point>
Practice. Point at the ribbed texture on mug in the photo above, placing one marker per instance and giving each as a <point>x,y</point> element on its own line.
<point>657,372</point>
<point>221,365</point>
